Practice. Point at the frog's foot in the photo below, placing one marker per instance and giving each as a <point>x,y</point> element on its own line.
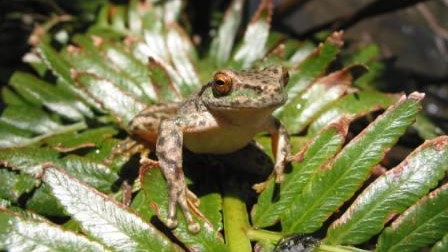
<point>125,148</point>
<point>147,162</point>
<point>182,197</point>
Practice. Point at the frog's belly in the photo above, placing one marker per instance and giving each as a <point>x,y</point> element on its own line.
<point>218,141</point>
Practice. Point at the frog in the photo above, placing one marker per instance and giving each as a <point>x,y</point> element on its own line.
<point>223,117</point>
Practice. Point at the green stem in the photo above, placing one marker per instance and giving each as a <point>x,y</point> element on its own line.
<point>263,235</point>
<point>236,220</point>
<point>329,248</point>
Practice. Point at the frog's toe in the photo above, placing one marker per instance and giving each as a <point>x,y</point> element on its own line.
<point>171,223</point>
<point>194,227</point>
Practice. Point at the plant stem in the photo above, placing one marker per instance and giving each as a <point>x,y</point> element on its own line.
<point>329,248</point>
<point>236,220</point>
<point>263,235</point>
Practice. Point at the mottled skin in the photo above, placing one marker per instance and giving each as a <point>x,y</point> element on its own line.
<point>222,118</point>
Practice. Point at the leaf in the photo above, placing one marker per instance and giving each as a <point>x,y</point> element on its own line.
<point>132,67</point>
<point>15,184</point>
<point>21,234</point>
<point>30,119</point>
<point>422,224</point>
<point>45,203</point>
<point>28,160</point>
<point>61,69</point>
<point>315,99</point>
<point>75,140</point>
<point>356,105</point>
<point>391,193</point>
<point>254,41</point>
<point>346,172</point>
<point>222,43</point>
<point>92,173</point>
<point>181,53</point>
<point>315,153</point>
<point>112,223</point>
<point>122,106</point>
<point>11,136</point>
<point>313,67</point>
<point>39,92</point>
<point>10,98</point>
<point>167,90</point>
<point>441,245</point>
<point>89,60</point>
<point>156,195</point>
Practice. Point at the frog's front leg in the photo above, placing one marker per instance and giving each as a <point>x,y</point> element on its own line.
<point>281,148</point>
<point>169,152</point>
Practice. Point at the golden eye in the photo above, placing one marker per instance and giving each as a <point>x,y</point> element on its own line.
<point>285,76</point>
<point>222,84</point>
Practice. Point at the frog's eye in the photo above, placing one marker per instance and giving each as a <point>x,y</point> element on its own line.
<point>285,76</point>
<point>222,83</point>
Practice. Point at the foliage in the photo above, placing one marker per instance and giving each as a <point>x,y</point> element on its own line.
<point>61,187</point>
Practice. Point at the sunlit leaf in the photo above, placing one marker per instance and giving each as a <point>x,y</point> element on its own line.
<point>315,154</point>
<point>15,184</point>
<point>391,193</point>
<point>39,92</point>
<point>254,42</point>
<point>422,224</point>
<point>21,234</point>
<point>223,41</point>
<point>316,98</point>
<point>156,194</point>
<point>349,168</point>
<point>441,245</point>
<point>30,119</point>
<point>356,105</point>
<point>111,222</point>
<point>111,97</point>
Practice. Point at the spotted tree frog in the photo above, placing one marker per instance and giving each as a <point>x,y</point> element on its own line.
<point>223,117</point>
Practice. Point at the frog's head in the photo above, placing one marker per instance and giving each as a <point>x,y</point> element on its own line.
<point>250,89</point>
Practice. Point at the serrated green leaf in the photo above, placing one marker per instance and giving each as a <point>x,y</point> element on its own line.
<point>336,183</point>
<point>44,203</point>
<point>15,184</point>
<point>27,159</point>
<point>182,56</point>
<point>39,92</point>
<point>315,153</point>
<point>156,194</point>
<point>313,67</point>
<point>61,69</point>
<point>30,119</point>
<point>422,224</point>
<point>132,67</point>
<point>391,193</point>
<point>167,90</point>
<point>110,222</point>
<point>11,136</point>
<point>93,173</point>
<point>314,99</point>
<point>356,105</point>
<point>10,98</point>
<point>75,140</point>
<point>21,234</point>
<point>90,60</point>
<point>253,46</point>
<point>111,97</point>
<point>222,43</point>
<point>441,245</point>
